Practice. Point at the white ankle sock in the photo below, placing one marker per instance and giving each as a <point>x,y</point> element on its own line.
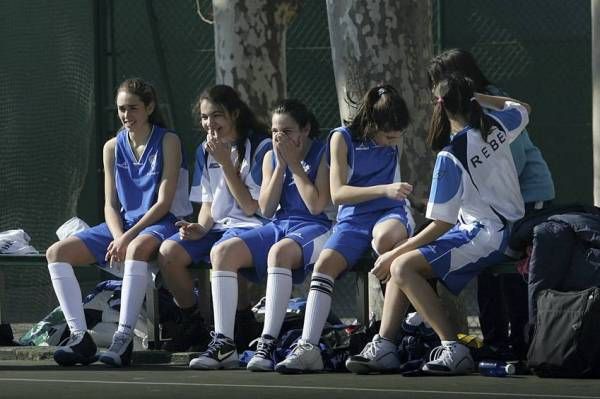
<point>133,291</point>
<point>224,287</point>
<point>279,289</point>
<point>68,293</point>
<point>317,307</point>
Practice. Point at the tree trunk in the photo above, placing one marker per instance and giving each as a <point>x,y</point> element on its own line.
<point>250,48</point>
<point>388,41</point>
<point>596,96</point>
<point>250,57</point>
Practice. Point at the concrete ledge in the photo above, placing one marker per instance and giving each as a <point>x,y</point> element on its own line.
<point>139,357</point>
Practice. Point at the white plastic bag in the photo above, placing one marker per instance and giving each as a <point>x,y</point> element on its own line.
<point>70,227</point>
<point>16,242</point>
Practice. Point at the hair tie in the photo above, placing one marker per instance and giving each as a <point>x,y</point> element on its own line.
<point>439,100</point>
<point>472,99</point>
<point>381,91</point>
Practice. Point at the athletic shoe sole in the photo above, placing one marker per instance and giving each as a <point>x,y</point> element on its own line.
<point>69,359</point>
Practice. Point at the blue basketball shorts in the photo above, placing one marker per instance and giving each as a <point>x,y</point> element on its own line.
<point>464,251</point>
<point>97,238</point>
<point>352,237</point>
<point>309,235</point>
<point>199,250</point>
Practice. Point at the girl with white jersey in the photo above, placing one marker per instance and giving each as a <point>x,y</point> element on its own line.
<point>373,211</point>
<point>227,180</point>
<point>145,184</point>
<point>295,190</point>
<point>474,199</point>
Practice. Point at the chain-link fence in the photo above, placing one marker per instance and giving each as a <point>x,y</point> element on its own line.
<point>55,61</point>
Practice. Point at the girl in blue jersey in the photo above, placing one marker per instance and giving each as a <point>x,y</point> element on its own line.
<point>226,182</point>
<point>373,210</point>
<point>295,190</point>
<point>145,183</point>
<point>495,293</point>
<point>474,199</point>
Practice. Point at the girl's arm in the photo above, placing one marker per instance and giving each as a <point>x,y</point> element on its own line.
<point>497,102</point>
<point>112,208</point>
<point>316,196</point>
<point>238,189</point>
<point>342,193</point>
<point>272,185</point>
<point>195,231</point>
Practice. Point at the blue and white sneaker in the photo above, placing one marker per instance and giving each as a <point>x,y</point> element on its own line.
<point>79,348</point>
<point>221,353</point>
<point>119,352</point>
<point>263,357</point>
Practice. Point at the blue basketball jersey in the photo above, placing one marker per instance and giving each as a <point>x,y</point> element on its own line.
<point>369,164</point>
<point>291,203</point>
<point>137,181</point>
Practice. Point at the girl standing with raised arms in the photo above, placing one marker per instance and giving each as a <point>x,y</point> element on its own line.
<point>373,210</point>
<point>227,180</point>
<point>473,201</point>
<point>145,189</point>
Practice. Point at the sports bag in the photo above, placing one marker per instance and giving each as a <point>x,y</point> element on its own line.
<point>566,342</point>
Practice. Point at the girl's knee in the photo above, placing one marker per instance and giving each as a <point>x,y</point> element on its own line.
<point>172,256</point>
<point>226,256</point>
<point>330,263</point>
<point>285,253</point>
<point>142,248</point>
<point>53,252</point>
<point>401,271</point>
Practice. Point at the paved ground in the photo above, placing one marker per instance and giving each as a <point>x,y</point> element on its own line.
<point>43,379</point>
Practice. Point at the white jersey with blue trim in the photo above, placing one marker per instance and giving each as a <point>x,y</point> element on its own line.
<point>137,181</point>
<point>369,164</point>
<point>209,184</point>
<point>476,181</point>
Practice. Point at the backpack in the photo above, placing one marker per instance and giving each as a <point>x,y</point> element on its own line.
<point>565,341</point>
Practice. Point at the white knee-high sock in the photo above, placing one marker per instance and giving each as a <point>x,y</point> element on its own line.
<point>317,307</point>
<point>133,291</point>
<point>68,293</point>
<point>279,289</point>
<point>224,288</point>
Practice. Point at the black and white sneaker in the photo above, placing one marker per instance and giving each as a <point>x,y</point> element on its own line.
<point>263,357</point>
<point>119,352</point>
<point>220,354</point>
<point>79,348</point>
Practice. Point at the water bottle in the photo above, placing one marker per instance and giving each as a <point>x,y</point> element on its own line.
<point>496,369</point>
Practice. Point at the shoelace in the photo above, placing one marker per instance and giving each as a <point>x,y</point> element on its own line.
<point>370,350</point>
<point>298,348</point>
<point>265,347</point>
<point>118,342</point>
<point>215,344</point>
<point>440,351</point>
<point>71,339</point>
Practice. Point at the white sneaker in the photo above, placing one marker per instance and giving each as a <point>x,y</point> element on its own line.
<point>378,356</point>
<point>305,357</point>
<point>263,357</point>
<point>221,353</point>
<point>449,359</point>
<point>119,352</point>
